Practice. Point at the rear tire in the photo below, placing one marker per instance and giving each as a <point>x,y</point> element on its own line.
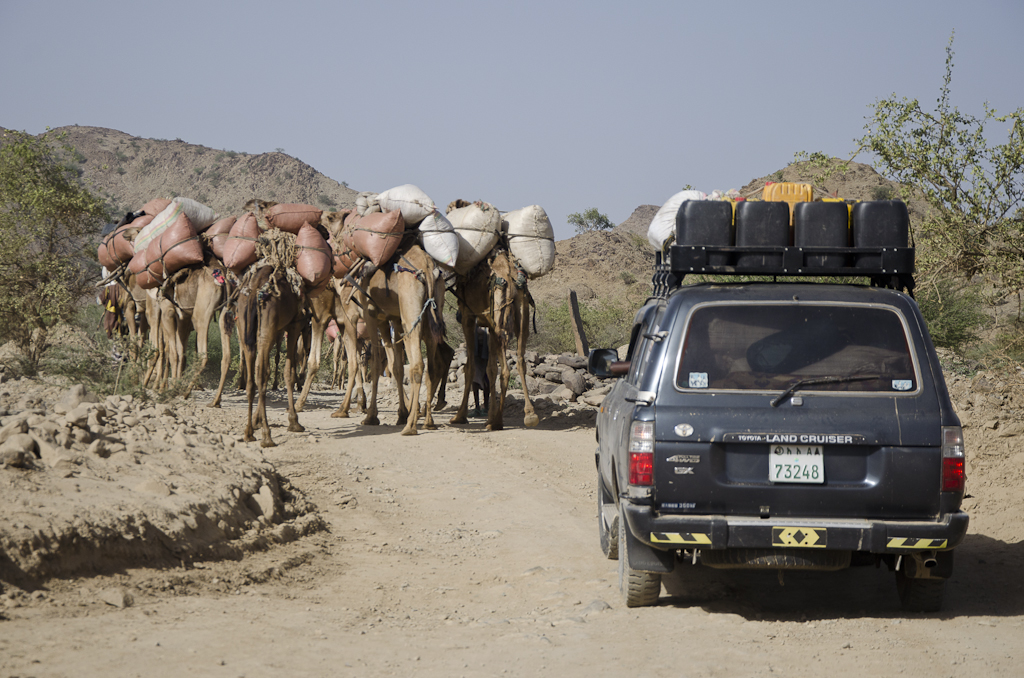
<point>609,534</point>
<point>920,595</point>
<point>639,589</point>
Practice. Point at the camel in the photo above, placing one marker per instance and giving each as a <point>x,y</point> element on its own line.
<point>269,302</point>
<point>409,296</point>
<point>494,294</point>
<point>190,300</point>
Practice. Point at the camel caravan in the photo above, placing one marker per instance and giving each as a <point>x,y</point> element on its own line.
<point>373,279</point>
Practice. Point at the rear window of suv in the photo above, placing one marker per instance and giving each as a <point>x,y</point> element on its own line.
<point>769,346</point>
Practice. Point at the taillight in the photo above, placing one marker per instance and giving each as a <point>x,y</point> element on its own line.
<point>954,476</point>
<point>641,453</point>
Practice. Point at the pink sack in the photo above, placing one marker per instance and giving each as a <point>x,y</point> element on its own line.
<point>240,246</point>
<point>155,206</point>
<point>217,235</point>
<point>344,259</point>
<point>332,330</point>
<point>179,245</point>
<point>290,216</point>
<point>115,250</point>
<point>375,236</point>
<point>314,260</point>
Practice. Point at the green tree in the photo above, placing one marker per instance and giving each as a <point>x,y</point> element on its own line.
<point>590,220</point>
<point>47,226</point>
<point>973,189</point>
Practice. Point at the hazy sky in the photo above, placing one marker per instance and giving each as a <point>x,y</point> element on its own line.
<point>568,105</point>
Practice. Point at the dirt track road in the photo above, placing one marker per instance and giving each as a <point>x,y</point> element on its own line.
<point>466,553</point>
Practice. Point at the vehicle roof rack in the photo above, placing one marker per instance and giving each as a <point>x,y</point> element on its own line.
<point>889,267</point>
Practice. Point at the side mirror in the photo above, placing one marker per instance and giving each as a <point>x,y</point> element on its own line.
<point>604,363</point>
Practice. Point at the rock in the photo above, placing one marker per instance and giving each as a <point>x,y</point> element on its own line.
<point>592,400</point>
<point>574,382</point>
<point>19,442</point>
<point>574,361</point>
<point>1011,430</point>
<point>78,417</point>
<point>17,426</point>
<point>98,448</point>
<point>153,487</point>
<point>15,458</point>
<point>73,398</point>
<point>117,597</point>
<point>266,503</point>
<point>564,393</point>
<point>50,454</point>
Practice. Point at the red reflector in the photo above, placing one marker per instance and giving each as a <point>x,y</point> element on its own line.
<point>953,476</point>
<point>641,468</point>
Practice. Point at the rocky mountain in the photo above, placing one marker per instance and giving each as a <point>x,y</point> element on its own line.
<point>128,171</point>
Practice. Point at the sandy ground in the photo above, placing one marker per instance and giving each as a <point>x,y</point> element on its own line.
<point>465,553</point>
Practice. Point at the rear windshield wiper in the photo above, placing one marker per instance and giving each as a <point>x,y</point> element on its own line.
<point>814,381</point>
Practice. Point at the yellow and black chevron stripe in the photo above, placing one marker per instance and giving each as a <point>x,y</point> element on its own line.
<point>802,537</point>
<point>700,538</point>
<point>913,543</point>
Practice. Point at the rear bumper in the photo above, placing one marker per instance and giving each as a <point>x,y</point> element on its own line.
<point>670,532</point>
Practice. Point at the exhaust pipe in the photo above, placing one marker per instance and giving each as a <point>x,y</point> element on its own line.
<point>929,560</point>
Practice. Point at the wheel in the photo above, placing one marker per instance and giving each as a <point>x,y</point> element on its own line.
<point>639,589</point>
<point>920,595</point>
<point>606,514</point>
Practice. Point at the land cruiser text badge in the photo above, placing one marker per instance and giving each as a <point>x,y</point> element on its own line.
<point>795,438</point>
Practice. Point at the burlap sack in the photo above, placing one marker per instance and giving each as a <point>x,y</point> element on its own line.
<point>199,214</point>
<point>313,259</point>
<point>290,216</point>
<point>156,227</point>
<point>375,236</point>
<point>179,245</point>
<point>155,206</point>
<point>240,245</point>
<point>531,239</point>
<point>478,227</point>
<point>217,234</point>
<point>414,204</point>
<point>115,250</point>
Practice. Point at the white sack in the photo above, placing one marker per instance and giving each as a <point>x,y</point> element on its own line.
<point>366,203</point>
<point>155,228</point>
<point>201,216</point>
<point>439,239</point>
<point>414,204</point>
<point>478,229</point>
<point>662,230</point>
<point>531,239</point>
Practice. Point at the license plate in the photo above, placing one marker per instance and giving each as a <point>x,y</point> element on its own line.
<point>796,464</point>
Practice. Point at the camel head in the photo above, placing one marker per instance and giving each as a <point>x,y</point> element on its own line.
<point>258,206</point>
<point>334,222</point>
<point>130,233</point>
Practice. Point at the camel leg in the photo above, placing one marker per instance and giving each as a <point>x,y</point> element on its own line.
<point>266,337</point>
<point>350,350</point>
<point>248,358</point>
<point>313,361</point>
<point>497,369</point>
<point>371,418</point>
<point>530,418</point>
<point>338,363</point>
<point>225,356</point>
<point>469,332</point>
<point>415,349</point>
<point>445,354</point>
<point>289,375</point>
